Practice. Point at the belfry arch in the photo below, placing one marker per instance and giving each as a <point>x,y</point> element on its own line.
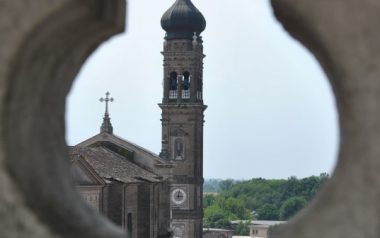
<point>173,84</point>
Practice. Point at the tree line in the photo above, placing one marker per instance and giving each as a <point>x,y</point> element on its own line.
<point>258,198</point>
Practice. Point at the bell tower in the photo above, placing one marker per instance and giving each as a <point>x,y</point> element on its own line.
<point>182,115</point>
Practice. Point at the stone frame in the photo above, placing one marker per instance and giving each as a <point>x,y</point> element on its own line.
<point>43,45</point>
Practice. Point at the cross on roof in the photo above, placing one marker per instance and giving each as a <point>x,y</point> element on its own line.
<point>107,100</point>
<point>106,125</point>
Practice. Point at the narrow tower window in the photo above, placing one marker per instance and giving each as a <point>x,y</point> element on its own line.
<point>186,81</point>
<point>173,85</point>
<point>186,85</point>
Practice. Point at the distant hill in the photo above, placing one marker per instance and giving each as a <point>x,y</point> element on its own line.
<point>258,198</point>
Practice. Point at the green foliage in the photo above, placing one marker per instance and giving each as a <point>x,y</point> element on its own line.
<point>226,184</point>
<point>291,206</point>
<point>235,207</point>
<point>224,210</point>
<point>216,217</point>
<point>268,212</point>
<point>211,185</point>
<point>208,200</point>
<point>272,199</point>
<point>242,228</point>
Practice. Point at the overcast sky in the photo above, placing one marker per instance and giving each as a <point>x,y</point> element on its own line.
<point>271,112</point>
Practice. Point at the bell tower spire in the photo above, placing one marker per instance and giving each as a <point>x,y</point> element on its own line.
<point>182,114</point>
<point>106,125</point>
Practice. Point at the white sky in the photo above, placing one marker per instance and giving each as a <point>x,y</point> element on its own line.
<point>271,111</point>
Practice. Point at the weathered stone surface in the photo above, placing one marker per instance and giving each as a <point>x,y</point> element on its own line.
<point>43,44</point>
<point>344,36</point>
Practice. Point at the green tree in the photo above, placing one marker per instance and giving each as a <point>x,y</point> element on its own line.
<point>272,199</point>
<point>226,184</point>
<point>291,206</point>
<point>223,211</point>
<point>211,185</point>
<point>242,228</point>
<point>235,208</point>
<point>215,217</point>
<point>268,212</point>
<point>208,200</point>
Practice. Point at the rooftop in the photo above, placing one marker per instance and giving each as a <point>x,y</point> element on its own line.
<point>112,166</point>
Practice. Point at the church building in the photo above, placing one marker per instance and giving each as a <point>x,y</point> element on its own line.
<point>154,195</point>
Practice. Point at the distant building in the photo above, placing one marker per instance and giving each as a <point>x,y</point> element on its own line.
<point>217,233</point>
<point>259,229</point>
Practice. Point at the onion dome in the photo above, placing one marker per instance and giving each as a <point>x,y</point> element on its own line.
<point>181,20</point>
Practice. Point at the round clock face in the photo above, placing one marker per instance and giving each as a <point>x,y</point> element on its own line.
<point>178,196</point>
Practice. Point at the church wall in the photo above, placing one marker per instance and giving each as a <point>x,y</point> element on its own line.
<point>185,123</point>
<point>154,203</point>
<point>113,203</point>
<point>105,200</point>
<point>142,202</point>
<point>93,195</point>
<point>131,211</point>
<point>144,207</point>
<point>186,228</point>
<point>163,207</point>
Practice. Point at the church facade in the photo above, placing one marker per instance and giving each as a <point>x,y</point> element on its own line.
<point>121,180</point>
<point>152,195</point>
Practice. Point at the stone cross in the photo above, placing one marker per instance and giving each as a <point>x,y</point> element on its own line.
<point>107,100</point>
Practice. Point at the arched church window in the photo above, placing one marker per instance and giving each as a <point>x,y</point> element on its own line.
<point>186,81</point>
<point>173,81</point>
<point>173,85</point>
<point>186,85</point>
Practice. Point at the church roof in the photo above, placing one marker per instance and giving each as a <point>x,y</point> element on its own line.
<point>112,166</point>
<point>141,156</point>
<point>182,19</point>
